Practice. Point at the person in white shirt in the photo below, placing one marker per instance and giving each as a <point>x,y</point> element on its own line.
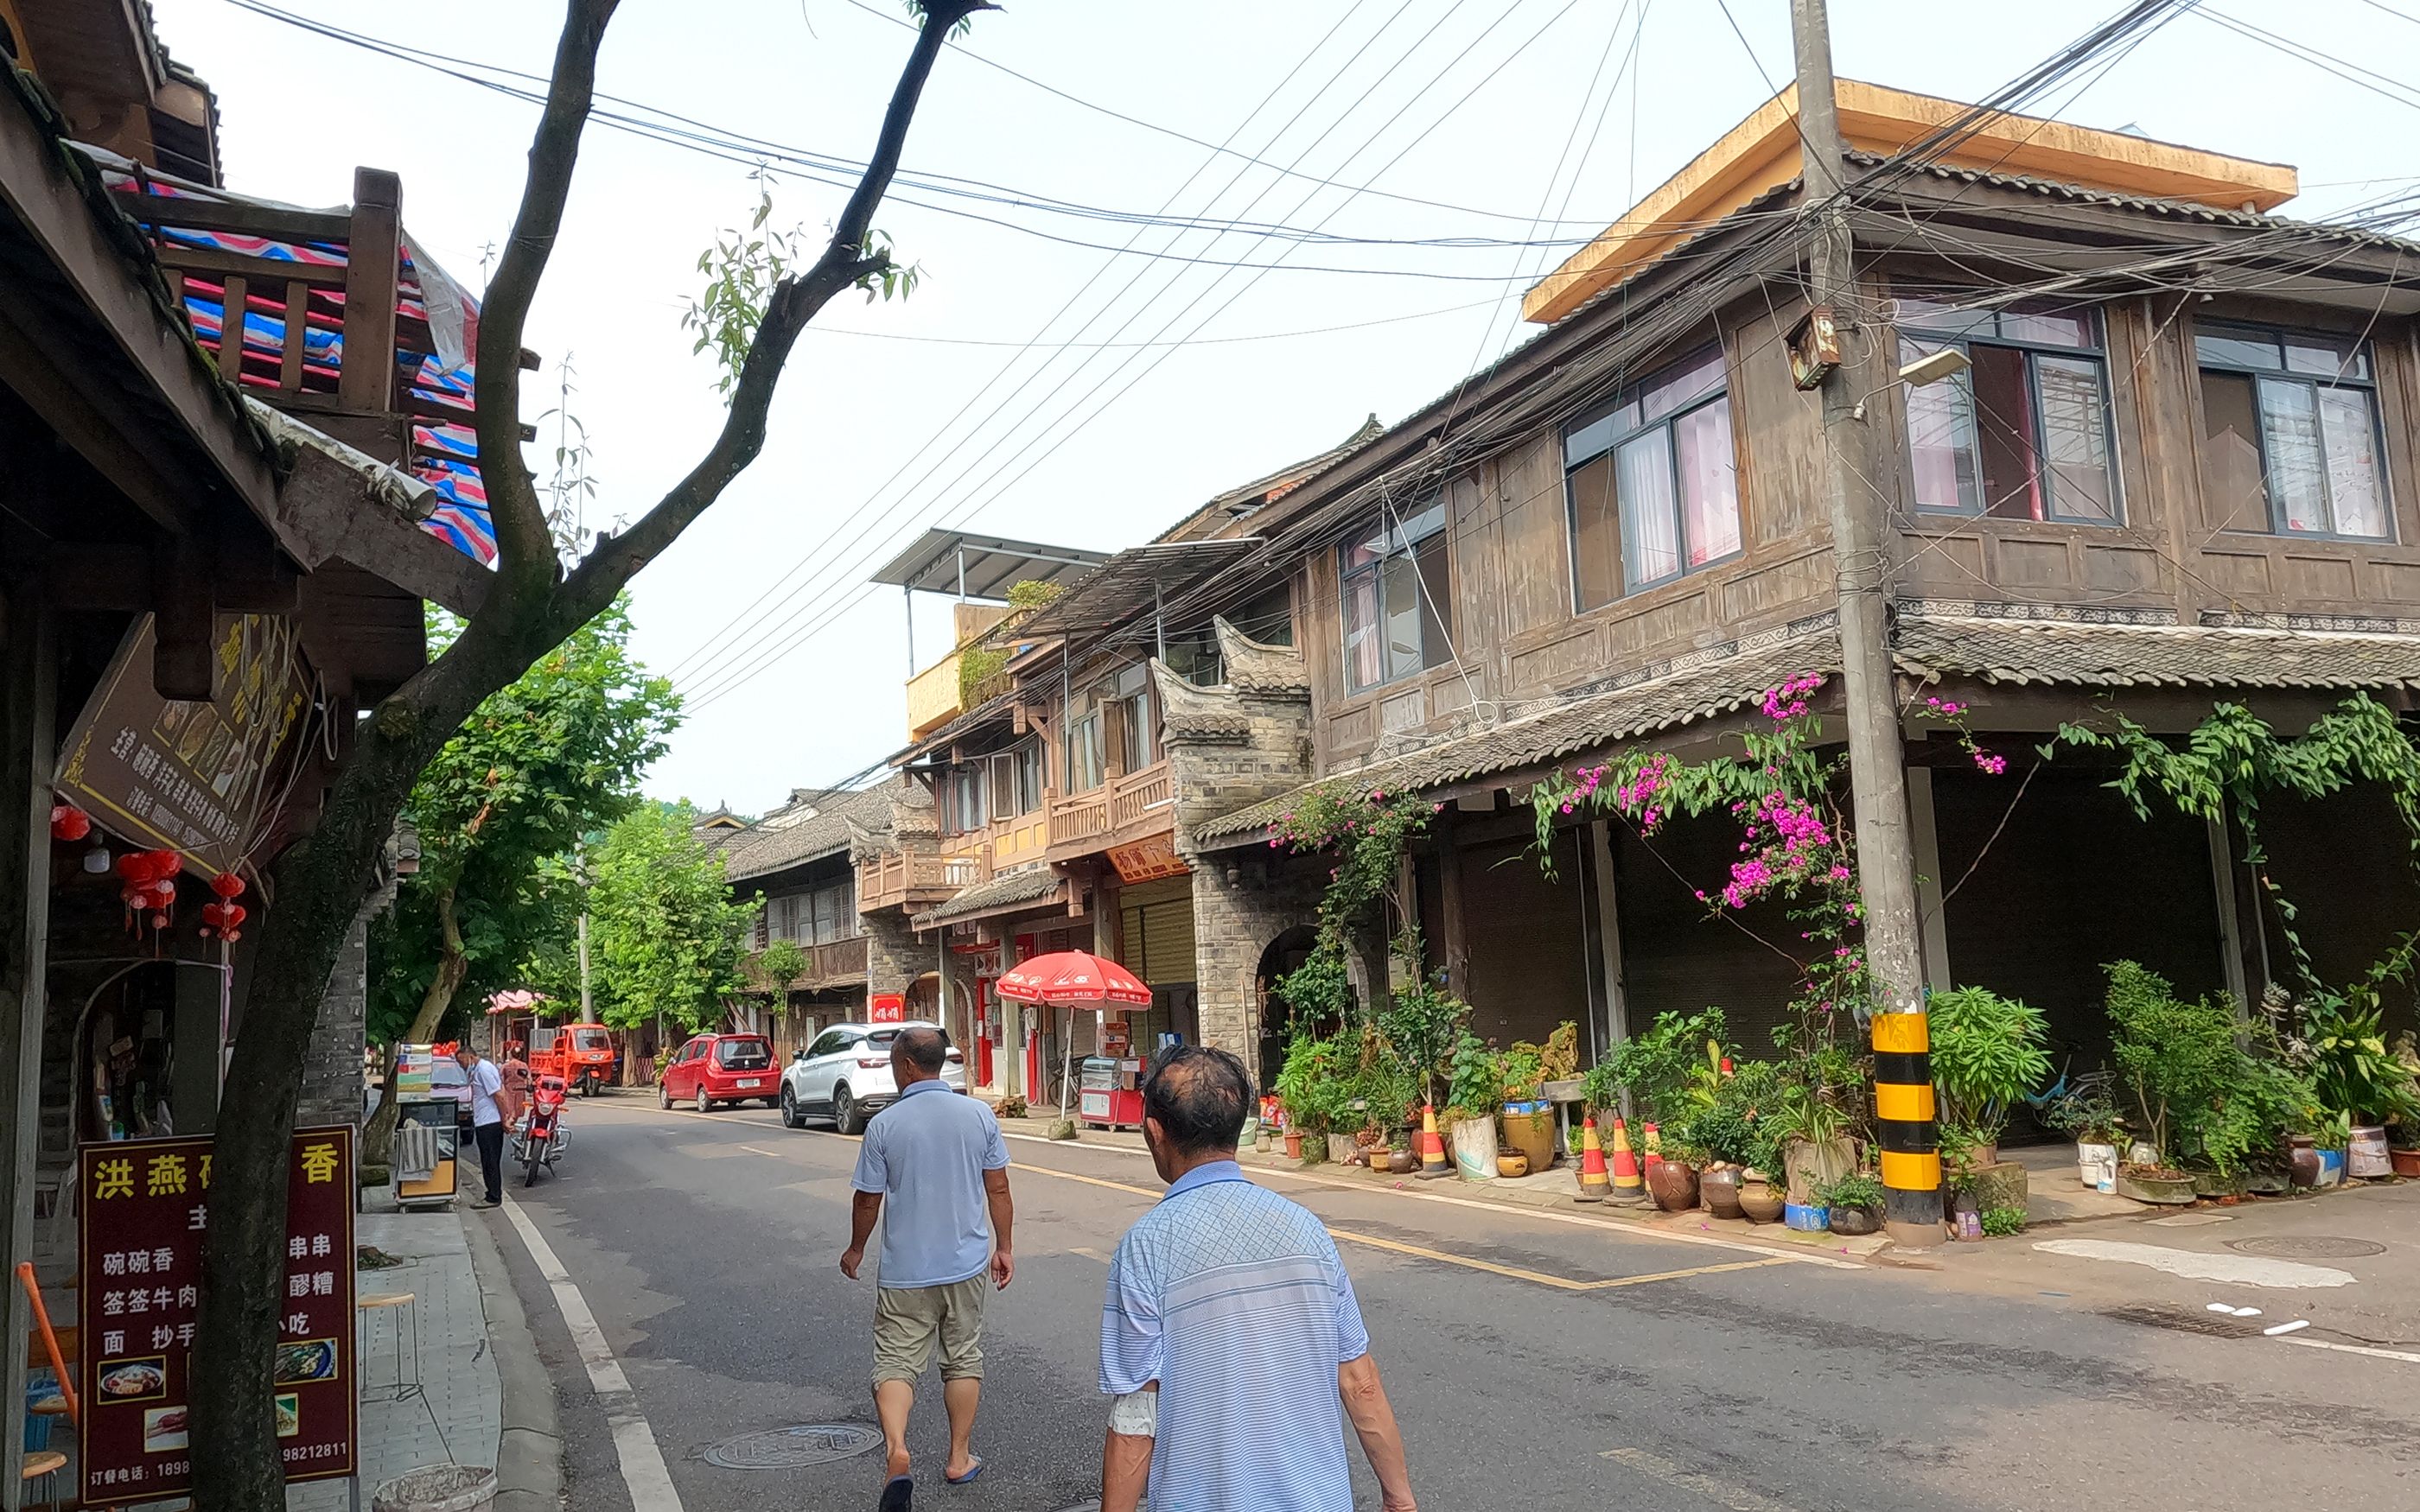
<point>487,1114</point>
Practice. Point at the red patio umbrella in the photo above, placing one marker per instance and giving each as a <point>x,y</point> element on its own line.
<point>1072,980</point>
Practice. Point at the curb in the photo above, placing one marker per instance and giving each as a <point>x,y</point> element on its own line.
<point>529,1447</point>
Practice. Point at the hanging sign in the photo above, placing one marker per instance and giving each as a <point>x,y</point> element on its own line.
<point>1148,861</point>
<point>887,1008</point>
<point>145,1216</point>
<point>192,778</point>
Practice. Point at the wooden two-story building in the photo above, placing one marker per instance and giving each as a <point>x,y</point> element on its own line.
<point>2175,467</point>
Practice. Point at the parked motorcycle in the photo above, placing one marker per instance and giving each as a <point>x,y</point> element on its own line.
<point>542,1137</point>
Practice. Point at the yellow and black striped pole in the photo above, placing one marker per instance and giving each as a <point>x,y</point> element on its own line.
<point>1904,1129</point>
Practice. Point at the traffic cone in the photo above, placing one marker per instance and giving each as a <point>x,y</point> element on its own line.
<point>1654,1143</point>
<point>1595,1182</point>
<point>1628,1186</point>
<point>1433,1161</point>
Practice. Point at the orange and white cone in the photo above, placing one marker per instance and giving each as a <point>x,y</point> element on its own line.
<point>1596,1183</point>
<point>1628,1186</point>
<point>1652,1144</point>
<point>1432,1160</point>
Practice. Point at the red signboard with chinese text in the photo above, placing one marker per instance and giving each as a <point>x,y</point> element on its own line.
<point>887,1008</point>
<point>145,1206</point>
<point>1148,861</point>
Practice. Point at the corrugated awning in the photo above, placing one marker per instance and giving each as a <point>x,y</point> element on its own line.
<point>982,566</point>
<point>1130,585</point>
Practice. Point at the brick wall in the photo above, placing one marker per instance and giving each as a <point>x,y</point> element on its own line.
<point>331,1068</point>
<point>894,955</point>
<point>1234,919</point>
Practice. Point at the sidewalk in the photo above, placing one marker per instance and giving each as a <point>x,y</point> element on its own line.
<point>460,1412</point>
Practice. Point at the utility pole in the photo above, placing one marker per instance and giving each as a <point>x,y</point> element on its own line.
<point>580,869</point>
<point>1904,1108</point>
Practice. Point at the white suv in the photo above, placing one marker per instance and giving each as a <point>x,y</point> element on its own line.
<point>846,1075</point>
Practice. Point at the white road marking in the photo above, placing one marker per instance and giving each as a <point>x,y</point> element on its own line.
<point>2234,1270</point>
<point>2372,1350</point>
<point>643,1472</point>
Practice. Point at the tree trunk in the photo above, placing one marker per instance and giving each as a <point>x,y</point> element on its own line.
<point>452,965</point>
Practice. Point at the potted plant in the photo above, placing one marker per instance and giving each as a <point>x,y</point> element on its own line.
<point>1728,1136</point>
<point>1672,1180</point>
<point>1308,1085</point>
<point>2403,1147</point>
<point>1761,1201</point>
<point>2086,1112</point>
<point>1528,1118</point>
<point>1987,1053</point>
<point>1474,1095</point>
<point>1808,1133</point>
<point>1401,1159</point>
<point>2172,1055</point>
<point>1855,1204</point>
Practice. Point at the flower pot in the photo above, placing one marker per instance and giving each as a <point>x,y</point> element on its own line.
<point>1806,1217</point>
<point>1511,1164</point>
<point>2141,1153</point>
<point>2405,1162</point>
<point>1402,1162</point>
<point>1293,1144</point>
<point>1529,1127</point>
<point>2303,1160</point>
<point>2365,1157</point>
<point>2332,1168</point>
<point>1474,1149</point>
<point>1760,1203</point>
<point>1341,1149</point>
<point>2145,1186</point>
<point>1719,1191</point>
<point>2214,1185</point>
<point>2267,1183</point>
<point>1673,1184</point>
<point>1853,1221</point>
<point>1808,1167</point>
<point>2095,1165</point>
<point>1377,1167</point>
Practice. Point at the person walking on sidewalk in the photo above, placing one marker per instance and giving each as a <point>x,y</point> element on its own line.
<point>939,1159</point>
<point>489,1105</point>
<point>1227,1293</point>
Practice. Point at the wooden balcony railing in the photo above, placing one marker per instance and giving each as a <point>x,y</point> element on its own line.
<point>1118,804</point>
<point>893,878</point>
<point>832,964</point>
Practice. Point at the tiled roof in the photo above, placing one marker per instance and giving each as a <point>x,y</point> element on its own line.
<point>2007,650</point>
<point>1004,892</point>
<point>1703,687</point>
<point>768,846</point>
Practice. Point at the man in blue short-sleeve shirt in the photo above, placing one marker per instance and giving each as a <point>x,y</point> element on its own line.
<point>1232,1346</point>
<point>938,1159</point>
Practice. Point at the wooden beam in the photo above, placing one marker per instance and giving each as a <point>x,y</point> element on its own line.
<point>373,261</point>
<point>225,265</point>
<point>185,625</point>
<point>62,402</point>
<point>329,509</point>
<point>1453,921</point>
<point>245,220</point>
<point>1924,835</point>
<point>28,742</point>
<point>1608,933</point>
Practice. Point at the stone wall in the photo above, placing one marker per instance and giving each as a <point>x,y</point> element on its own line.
<point>1241,902</point>
<point>331,1068</point>
<point>894,956</point>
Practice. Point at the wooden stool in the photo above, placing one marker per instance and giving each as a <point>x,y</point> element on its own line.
<point>41,1466</point>
<point>370,1307</point>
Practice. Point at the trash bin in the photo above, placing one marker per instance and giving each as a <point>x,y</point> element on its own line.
<point>437,1489</point>
<point>40,1385</point>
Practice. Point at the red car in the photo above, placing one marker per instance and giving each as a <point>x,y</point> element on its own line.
<point>721,1068</point>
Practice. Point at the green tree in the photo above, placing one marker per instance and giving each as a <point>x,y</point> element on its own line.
<point>782,964</point>
<point>555,756</point>
<point>532,603</point>
<point>664,935</point>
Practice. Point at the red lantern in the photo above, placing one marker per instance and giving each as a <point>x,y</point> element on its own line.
<point>167,863</point>
<point>227,884</point>
<point>70,823</point>
<point>135,867</point>
<point>232,915</point>
<point>213,915</point>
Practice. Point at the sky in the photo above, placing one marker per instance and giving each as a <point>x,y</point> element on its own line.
<point>1073,376</point>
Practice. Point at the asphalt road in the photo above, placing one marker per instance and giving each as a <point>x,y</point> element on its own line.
<point>1534,1363</point>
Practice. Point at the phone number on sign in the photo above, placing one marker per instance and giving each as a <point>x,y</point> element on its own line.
<point>314,1451</point>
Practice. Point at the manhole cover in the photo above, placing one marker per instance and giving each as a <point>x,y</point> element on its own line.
<point>809,1443</point>
<point>2307,1247</point>
<point>2215,1327</point>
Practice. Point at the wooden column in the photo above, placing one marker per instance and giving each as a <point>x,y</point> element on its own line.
<point>1609,928</point>
<point>1926,841</point>
<point>1456,944</point>
<point>366,378</point>
<point>29,693</point>
<point>2231,943</point>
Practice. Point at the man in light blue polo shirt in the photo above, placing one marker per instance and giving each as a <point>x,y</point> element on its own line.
<point>1232,1346</point>
<point>939,1160</point>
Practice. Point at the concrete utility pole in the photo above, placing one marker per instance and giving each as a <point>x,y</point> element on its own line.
<point>1877,779</point>
<point>580,865</point>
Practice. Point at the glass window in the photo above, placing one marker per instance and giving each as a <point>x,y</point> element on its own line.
<point>1137,732</point>
<point>967,808</point>
<point>1084,755</point>
<point>2290,441</point>
<point>743,1054</point>
<point>2023,432</point>
<point>1652,482</point>
<point>1398,594</point>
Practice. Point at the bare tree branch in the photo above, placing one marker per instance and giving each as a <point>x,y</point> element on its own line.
<point>525,551</point>
<point>796,300</point>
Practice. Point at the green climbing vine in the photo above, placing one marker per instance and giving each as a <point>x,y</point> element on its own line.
<point>1367,830</point>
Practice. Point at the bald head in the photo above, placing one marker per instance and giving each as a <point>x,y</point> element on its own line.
<point>1199,1096</point>
<point>916,1054</point>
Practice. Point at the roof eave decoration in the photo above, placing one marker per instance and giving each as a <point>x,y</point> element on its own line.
<point>1198,716</point>
<point>1258,667</point>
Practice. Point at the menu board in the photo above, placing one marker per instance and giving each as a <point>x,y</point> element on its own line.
<point>189,777</point>
<point>145,1216</point>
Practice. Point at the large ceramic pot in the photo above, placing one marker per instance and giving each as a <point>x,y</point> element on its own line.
<point>2366,1156</point>
<point>1673,1184</point>
<point>1529,1127</point>
<point>1512,1164</point>
<point>2405,1162</point>
<point>1402,1162</point>
<point>1808,1168</point>
<point>1293,1144</point>
<point>2141,1185</point>
<point>1719,1191</point>
<point>1759,1201</point>
<point>1341,1149</point>
<point>2303,1160</point>
<point>2213,1184</point>
<point>1856,1220</point>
